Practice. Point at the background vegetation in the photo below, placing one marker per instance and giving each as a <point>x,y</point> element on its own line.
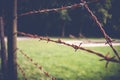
<point>73,21</point>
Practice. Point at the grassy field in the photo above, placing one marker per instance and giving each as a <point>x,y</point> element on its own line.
<point>64,63</point>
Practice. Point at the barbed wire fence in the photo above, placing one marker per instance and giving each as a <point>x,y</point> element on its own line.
<point>83,3</point>
<point>44,38</point>
<point>39,67</point>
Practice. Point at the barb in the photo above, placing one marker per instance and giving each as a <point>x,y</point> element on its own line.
<point>107,38</point>
<point>22,71</point>
<point>54,9</point>
<point>37,65</point>
<point>110,59</point>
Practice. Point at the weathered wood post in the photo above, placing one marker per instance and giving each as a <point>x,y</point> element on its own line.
<point>11,24</point>
<point>3,51</point>
<point>2,44</point>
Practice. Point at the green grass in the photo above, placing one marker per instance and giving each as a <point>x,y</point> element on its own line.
<point>64,63</point>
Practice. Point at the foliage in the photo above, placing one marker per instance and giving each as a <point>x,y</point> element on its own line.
<point>76,20</point>
<point>115,15</point>
<point>64,15</point>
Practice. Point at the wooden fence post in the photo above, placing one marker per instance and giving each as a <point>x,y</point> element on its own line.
<point>11,24</point>
<point>3,51</point>
<point>2,44</point>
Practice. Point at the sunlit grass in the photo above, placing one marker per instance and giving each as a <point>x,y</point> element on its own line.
<point>64,63</point>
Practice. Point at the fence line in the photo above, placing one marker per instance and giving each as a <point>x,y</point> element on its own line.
<point>104,57</point>
<point>107,38</point>
<point>77,5</point>
<point>37,65</point>
<point>22,71</point>
<point>54,9</point>
<point>83,3</point>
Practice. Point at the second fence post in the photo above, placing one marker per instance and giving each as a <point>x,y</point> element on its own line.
<point>11,24</point>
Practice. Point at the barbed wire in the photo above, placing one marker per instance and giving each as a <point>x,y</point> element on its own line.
<point>104,57</point>
<point>54,9</point>
<point>22,71</point>
<point>37,65</point>
<point>76,5</point>
<point>107,38</point>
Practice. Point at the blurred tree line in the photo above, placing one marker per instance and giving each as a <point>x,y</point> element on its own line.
<point>75,21</point>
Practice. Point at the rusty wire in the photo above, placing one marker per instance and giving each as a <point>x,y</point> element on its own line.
<point>104,57</point>
<point>37,65</point>
<point>109,41</point>
<point>107,38</point>
<point>22,71</point>
<point>53,9</point>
